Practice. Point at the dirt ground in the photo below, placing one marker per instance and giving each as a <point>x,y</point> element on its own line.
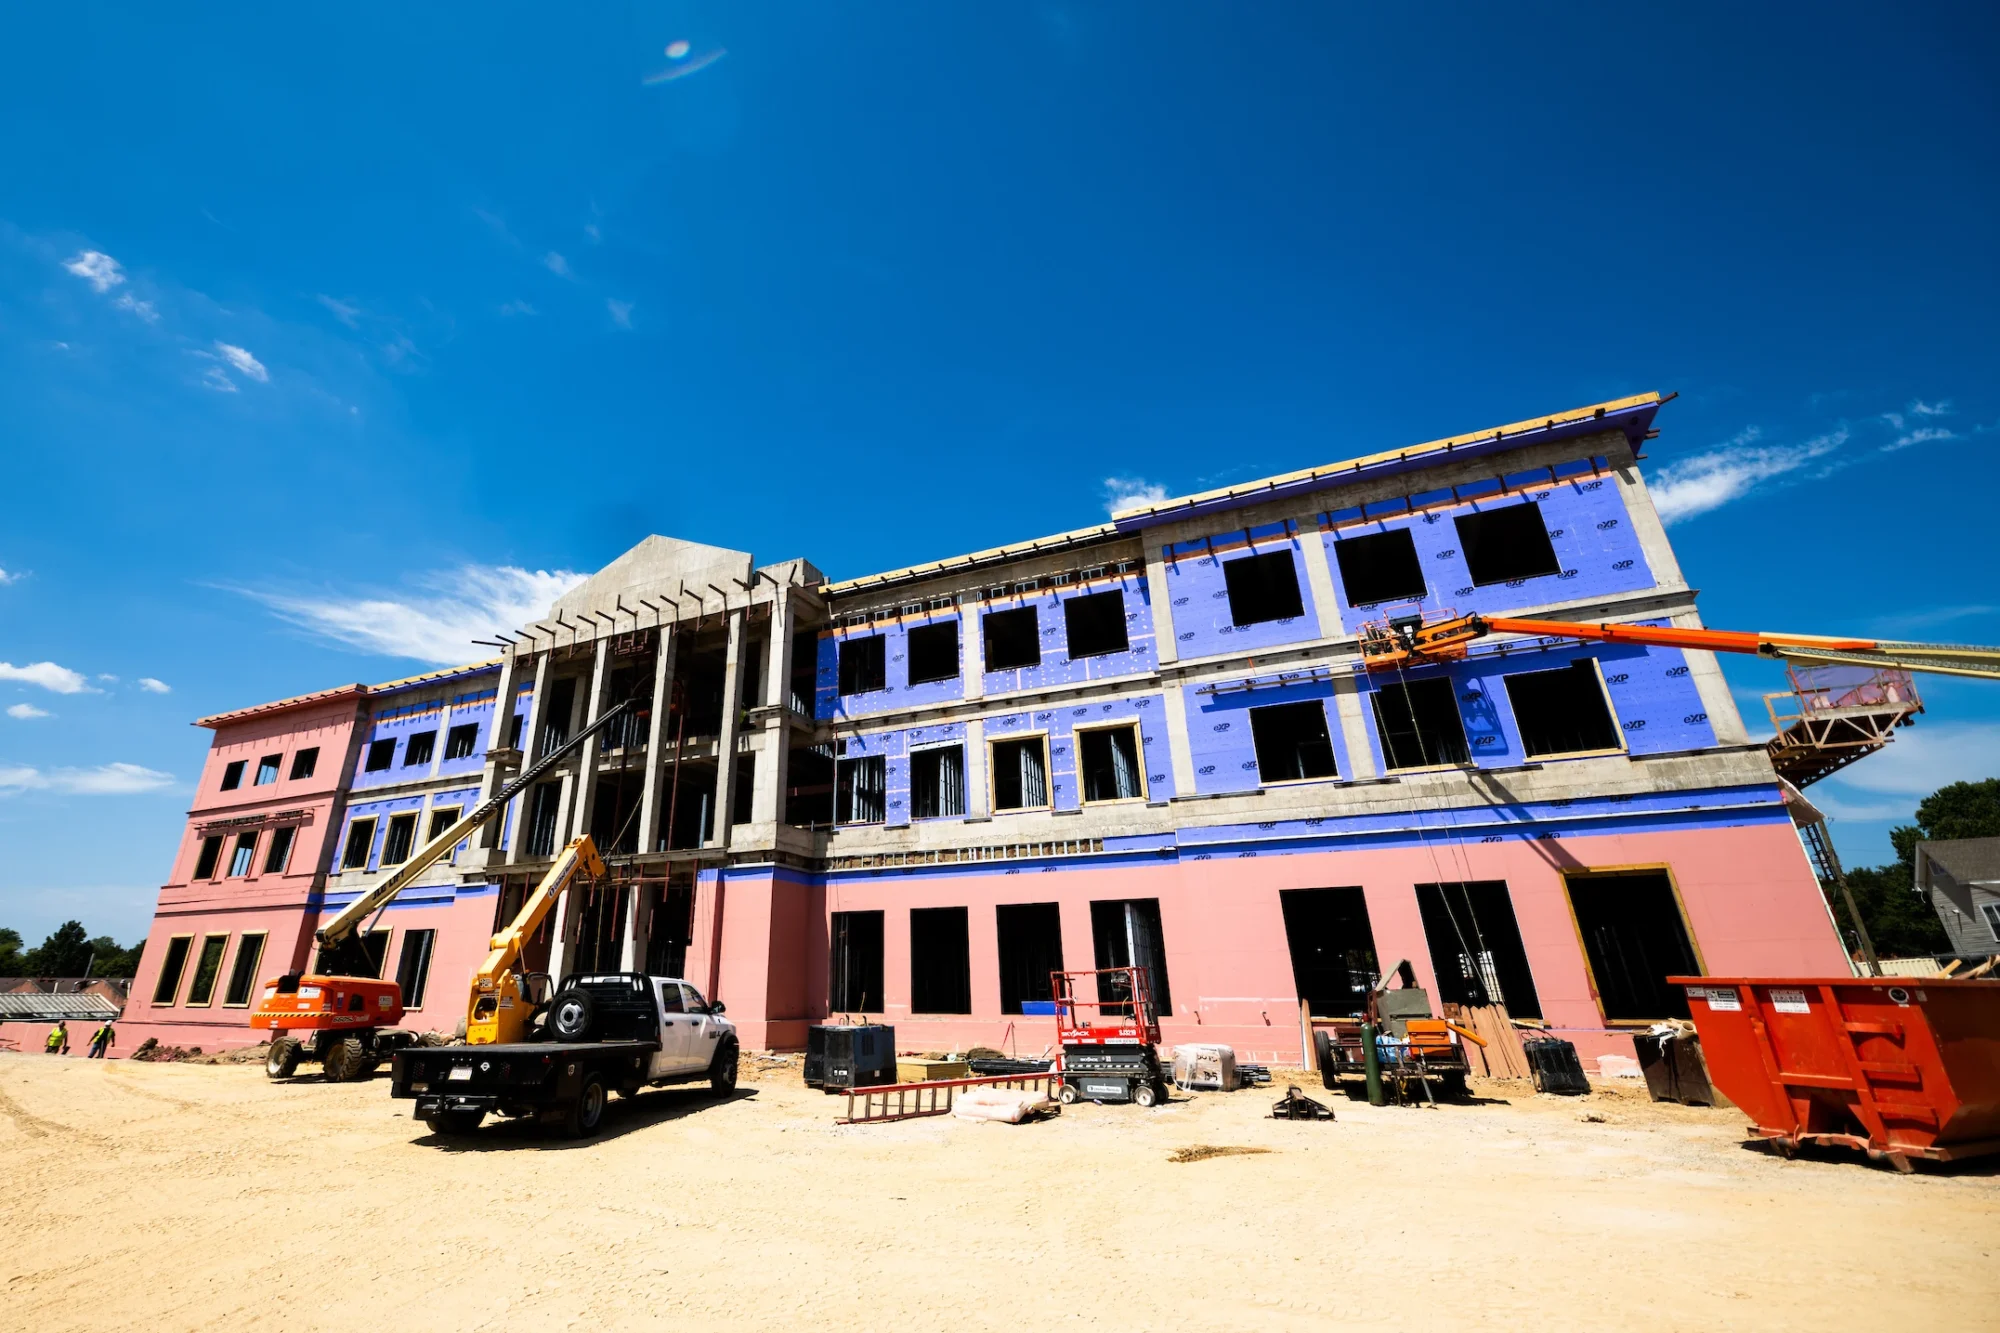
<point>194,1197</point>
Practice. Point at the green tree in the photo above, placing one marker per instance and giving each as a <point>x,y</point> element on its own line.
<point>114,960</point>
<point>65,953</point>
<point>13,963</point>
<point>1900,919</point>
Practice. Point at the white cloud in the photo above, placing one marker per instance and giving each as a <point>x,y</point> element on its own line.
<point>98,269</point>
<point>143,309</point>
<point>6,578</point>
<point>344,311</point>
<point>152,686</point>
<point>1925,757</point>
<point>217,379</point>
<point>106,675</point>
<point>104,780</point>
<point>464,604</point>
<point>53,678</point>
<point>590,230</point>
<point>1132,493</point>
<point>518,308</point>
<point>556,264</point>
<point>1708,481</point>
<point>621,313</point>
<point>27,712</point>
<point>244,362</point>
<point>1941,408</point>
<point>1921,435</point>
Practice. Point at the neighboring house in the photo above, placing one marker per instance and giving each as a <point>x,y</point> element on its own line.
<point>1962,878</point>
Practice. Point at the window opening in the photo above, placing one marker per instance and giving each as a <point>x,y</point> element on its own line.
<point>542,818</point>
<point>461,741</point>
<point>1476,950</point>
<point>854,973</point>
<point>207,968</point>
<point>280,850</point>
<point>1013,639</point>
<point>381,754</point>
<point>515,726</point>
<point>267,770</point>
<point>863,664</point>
<point>232,775</point>
<point>360,838</point>
<point>1262,587</point>
<point>413,968</point>
<point>1503,545</point>
<point>937,782</point>
<point>933,652</point>
<point>555,716</point>
<point>171,968</point>
<point>1991,911</point>
<point>402,833</point>
<point>940,960</point>
<point>420,749</point>
<point>243,976</point>
<point>304,762</point>
<point>860,790</point>
<point>1380,567</point>
<point>1419,725</point>
<point>1562,711</point>
<point>598,926</point>
<point>743,799</point>
<point>374,948</point>
<point>211,853</point>
<point>1096,624</point>
<point>670,929</point>
<point>1110,759</point>
<point>1635,939</point>
<point>1292,742</point>
<point>245,855</point>
<point>1126,933</point>
<point>1020,775</point>
<point>1030,949</point>
<point>1333,948</point>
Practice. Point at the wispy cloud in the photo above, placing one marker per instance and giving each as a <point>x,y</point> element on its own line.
<point>345,311</point>
<point>556,264</point>
<point>7,578</point>
<point>1925,757</point>
<point>518,308</point>
<point>152,686</point>
<point>621,312</point>
<point>1921,435</point>
<point>1710,480</point>
<point>143,309</point>
<point>216,378</point>
<point>436,625</point>
<point>53,678</point>
<point>104,780</point>
<point>27,712</point>
<point>1131,493</point>
<point>98,269</point>
<point>244,363</point>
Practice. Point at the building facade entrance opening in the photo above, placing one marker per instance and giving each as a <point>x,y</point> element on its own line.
<point>1333,948</point>
<point>1475,943</point>
<point>1634,939</point>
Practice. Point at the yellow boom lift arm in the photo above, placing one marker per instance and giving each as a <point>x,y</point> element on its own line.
<point>500,1006</point>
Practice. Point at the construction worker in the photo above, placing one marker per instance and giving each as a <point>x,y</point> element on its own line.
<point>58,1042</point>
<point>104,1037</point>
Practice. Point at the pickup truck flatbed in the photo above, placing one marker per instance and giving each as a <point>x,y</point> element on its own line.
<point>648,1032</point>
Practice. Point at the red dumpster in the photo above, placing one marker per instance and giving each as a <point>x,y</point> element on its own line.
<point>1900,1067</point>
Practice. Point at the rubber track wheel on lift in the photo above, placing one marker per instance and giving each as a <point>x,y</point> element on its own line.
<point>571,1016</point>
<point>344,1061</point>
<point>283,1059</point>
<point>585,1115</point>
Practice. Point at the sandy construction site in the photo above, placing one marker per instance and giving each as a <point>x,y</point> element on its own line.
<point>197,1197</point>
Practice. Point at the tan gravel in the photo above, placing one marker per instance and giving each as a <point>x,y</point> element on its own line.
<point>197,1197</point>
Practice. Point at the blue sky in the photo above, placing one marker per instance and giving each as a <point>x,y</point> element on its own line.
<point>328,338</point>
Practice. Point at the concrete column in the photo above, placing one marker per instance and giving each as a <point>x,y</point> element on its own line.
<point>632,957</point>
<point>732,723</point>
<point>767,803</point>
<point>531,751</point>
<point>972,648</point>
<point>1355,725</point>
<point>566,918</point>
<point>586,794</point>
<point>1319,577</point>
<point>1166,646</point>
<point>1178,747</point>
<point>659,736</point>
<point>975,768</point>
<point>489,780</point>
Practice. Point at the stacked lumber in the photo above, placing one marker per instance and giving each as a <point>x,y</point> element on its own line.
<point>1501,1056</point>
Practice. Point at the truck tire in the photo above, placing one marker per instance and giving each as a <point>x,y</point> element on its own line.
<point>283,1059</point>
<point>345,1061</point>
<point>1323,1051</point>
<point>571,1016</point>
<point>722,1070</point>
<point>584,1115</point>
<point>454,1123</point>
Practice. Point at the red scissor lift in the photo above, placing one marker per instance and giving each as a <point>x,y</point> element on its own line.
<point>1110,1045</point>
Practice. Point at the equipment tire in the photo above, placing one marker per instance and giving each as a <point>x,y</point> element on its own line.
<point>1323,1049</point>
<point>572,1014</point>
<point>584,1116</point>
<point>452,1124</point>
<point>1146,1095</point>
<point>344,1061</point>
<point>283,1059</point>
<point>1069,1096</point>
<point>722,1071</point>
<point>1453,1087</point>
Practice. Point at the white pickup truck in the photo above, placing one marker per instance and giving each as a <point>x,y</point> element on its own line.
<point>615,1032</point>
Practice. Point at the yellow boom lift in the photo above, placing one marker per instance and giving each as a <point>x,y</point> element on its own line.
<point>502,1003</point>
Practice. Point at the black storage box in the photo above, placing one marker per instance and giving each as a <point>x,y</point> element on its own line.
<point>1555,1066</point>
<point>862,1056</point>
<point>1102,1087</point>
<point>815,1056</point>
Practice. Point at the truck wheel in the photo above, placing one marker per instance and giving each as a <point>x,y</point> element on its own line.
<point>722,1073</point>
<point>1323,1051</point>
<point>344,1061</point>
<point>571,1015</point>
<point>283,1060</point>
<point>454,1123</point>
<point>1145,1094</point>
<point>586,1113</point>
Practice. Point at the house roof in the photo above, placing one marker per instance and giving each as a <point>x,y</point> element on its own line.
<point>317,697</point>
<point>41,1007</point>
<point>1967,860</point>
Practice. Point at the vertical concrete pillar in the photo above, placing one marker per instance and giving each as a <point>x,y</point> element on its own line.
<point>1355,725</point>
<point>586,764</point>
<point>1164,642</point>
<point>566,919</point>
<point>975,768</point>
<point>531,751</point>
<point>1319,577</point>
<point>732,723</point>
<point>767,803</point>
<point>1178,747</point>
<point>632,956</point>
<point>490,780</point>
<point>972,648</point>
<point>659,736</point>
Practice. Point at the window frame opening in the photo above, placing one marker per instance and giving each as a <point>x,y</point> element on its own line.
<point>243,972</point>
<point>279,852</point>
<point>543,811</point>
<point>373,947</point>
<point>1015,776</point>
<point>304,763</point>
<point>1365,562</point>
<point>1127,780</point>
<point>232,774</point>
<point>1256,595</point>
<point>413,966</point>
<point>925,653</point>
<point>442,818</point>
<point>173,968</point>
<point>1030,946</point>
<point>381,756</point>
<point>937,781</point>
<point>207,971</point>
<point>1624,974</point>
<point>268,769</point>
<point>855,958</point>
<point>1331,939</point>
<point>243,856</point>
<point>861,789</point>
<point>1477,954</point>
<point>1283,756</point>
<point>1428,754</point>
<point>208,858</point>
<point>1529,552</point>
<point>940,960</point>
<point>1126,932</point>
<point>1012,638</point>
<point>863,664</point>
<point>401,840</point>
<point>419,748</point>
<point>1092,627</point>
<point>357,840</point>
<point>462,741</point>
<point>1543,736</point>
